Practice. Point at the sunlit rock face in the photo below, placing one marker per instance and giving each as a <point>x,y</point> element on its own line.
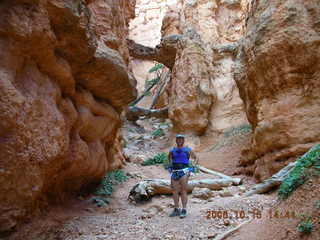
<point>64,78</point>
<point>216,26</point>
<point>278,77</point>
<point>145,29</point>
<point>191,92</point>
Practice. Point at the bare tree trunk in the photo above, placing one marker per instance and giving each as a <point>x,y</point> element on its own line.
<point>143,94</point>
<point>144,190</point>
<point>271,183</point>
<point>236,181</point>
<point>133,113</point>
<point>159,92</point>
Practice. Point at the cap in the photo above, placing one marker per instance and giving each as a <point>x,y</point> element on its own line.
<point>179,136</point>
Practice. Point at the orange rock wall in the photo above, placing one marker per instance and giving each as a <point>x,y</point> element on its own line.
<point>278,77</point>
<point>64,78</point>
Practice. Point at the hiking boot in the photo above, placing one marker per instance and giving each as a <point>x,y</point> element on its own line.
<point>183,213</point>
<point>175,213</point>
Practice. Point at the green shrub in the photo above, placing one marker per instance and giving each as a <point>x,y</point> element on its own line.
<point>106,187</point>
<point>318,204</point>
<point>100,201</point>
<point>156,67</point>
<point>158,133</point>
<point>234,131</point>
<point>300,172</point>
<point>160,158</point>
<point>305,227</point>
<point>150,82</point>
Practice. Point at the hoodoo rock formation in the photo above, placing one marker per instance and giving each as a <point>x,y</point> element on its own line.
<point>278,77</point>
<point>196,40</point>
<point>215,27</point>
<point>191,95</point>
<point>64,78</point>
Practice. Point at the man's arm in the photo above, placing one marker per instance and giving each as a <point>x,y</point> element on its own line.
<point>194,157</point>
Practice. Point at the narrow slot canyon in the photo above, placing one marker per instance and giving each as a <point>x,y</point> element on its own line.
<point>99,97</point>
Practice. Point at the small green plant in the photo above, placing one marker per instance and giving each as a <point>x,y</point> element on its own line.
<point>318,204</point>
<point>156,67</point>
<point>299,174</point>
<point>100,201</point>
<point>106,187</point>
<point>234,131</point>
<point>305,227</point>
<point>158,133</point>
<point>160,158</point>
<point>151,82</point>
<point>317,166</point>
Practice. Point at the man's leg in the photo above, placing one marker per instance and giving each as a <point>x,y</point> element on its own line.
<point>175,185</point>
<point>184,187</point>
<point>184,195</point>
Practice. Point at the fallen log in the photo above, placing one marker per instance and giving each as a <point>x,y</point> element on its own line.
<point>160,90</point>
<point>144,93</point>
<point>236,181</point>
<point>146,189</point>
<point>272,182</point>
<point>134,113</point>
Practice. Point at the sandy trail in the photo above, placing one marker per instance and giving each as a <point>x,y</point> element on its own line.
<point>123,220</point>
<point>82,220</point>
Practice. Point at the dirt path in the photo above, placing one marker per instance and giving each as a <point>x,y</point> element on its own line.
<point>121,219</point>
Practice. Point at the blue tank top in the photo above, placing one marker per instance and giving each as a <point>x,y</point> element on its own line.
<point>180,155</point>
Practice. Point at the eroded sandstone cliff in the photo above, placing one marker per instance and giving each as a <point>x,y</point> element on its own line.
<point>145,29</point>
<point>214,27</point>
<point>278,77</point>
<point>64,78</point>
<point>207,30</point>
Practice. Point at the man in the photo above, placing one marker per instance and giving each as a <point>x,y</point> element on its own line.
<point>179,160</point>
